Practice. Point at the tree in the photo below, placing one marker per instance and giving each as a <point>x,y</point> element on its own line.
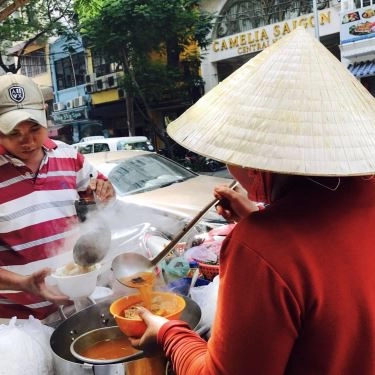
<point>152,40</point>
<point>35,22</point>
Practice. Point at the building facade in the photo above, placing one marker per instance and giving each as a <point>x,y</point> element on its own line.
<point>87,88</point>
<point>357,42</point>
<point>246,27</point>
<point>89,99</point>
<point>71,108</point>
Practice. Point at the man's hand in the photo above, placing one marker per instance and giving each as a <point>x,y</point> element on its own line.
<point>35,284</point>
<point>103,189</point>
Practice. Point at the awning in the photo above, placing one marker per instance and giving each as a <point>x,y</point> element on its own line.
<point>363,68</point>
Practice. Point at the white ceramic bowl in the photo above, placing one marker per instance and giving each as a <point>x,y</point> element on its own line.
<point>76,286</point>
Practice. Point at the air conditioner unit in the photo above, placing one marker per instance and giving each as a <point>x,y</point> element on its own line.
<point>70,104</point>
<point>58,107</point>
<point>90,88</point>
<point>79,101</point>
<point>111,80</point>
<point>100,84</point>
<point>90,78</point>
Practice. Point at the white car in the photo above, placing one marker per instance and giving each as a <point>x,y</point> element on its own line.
<point>95,144</point>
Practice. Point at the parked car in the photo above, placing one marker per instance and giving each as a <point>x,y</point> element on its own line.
<point>95,144</point>
<point>152,180</point>
<point>156,198</point>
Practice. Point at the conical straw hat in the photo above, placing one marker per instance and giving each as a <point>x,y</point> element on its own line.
<point>294,109</point>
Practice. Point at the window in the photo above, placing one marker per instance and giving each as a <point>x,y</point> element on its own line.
<point>70,71</point>
<point>363,3</point>
<point>100,147</point>
<point>241,15</point>
<point>33,63</point>
<point>101,67</point>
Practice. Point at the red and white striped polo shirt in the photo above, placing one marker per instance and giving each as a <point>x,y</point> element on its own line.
<point>37,217</point>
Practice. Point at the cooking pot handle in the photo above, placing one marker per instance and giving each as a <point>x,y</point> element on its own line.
<point>78,306</point>
<point>61,313</point>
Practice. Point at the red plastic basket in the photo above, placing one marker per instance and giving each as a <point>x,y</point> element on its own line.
<point>208,271</point>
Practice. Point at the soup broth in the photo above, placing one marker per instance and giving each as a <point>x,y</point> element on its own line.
<point>144,282</point>
<point>109,349</point>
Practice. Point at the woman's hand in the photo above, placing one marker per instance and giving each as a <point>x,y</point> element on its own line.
<point>148,342</point>
<point>235,206</point>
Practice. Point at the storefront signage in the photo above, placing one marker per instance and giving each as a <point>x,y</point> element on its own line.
<point>357,25</point>
<point>256,40</point>
<point>73,115</point>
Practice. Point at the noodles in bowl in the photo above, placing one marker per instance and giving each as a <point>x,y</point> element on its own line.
<point>124,310</point>
<point>75,281</point>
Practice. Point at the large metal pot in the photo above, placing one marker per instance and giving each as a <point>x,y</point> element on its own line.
<point>88,319</point>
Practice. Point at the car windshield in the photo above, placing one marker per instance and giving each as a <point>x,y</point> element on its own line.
<point>144,173</point>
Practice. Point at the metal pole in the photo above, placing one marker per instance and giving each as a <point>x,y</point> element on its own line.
<point>316,19</point>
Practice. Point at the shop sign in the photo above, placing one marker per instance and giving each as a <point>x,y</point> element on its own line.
<point>258,39</point>
<point>357,24</point>
<point>73,115</point>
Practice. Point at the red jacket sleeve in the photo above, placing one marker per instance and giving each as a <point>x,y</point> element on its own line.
<point>255,323</point>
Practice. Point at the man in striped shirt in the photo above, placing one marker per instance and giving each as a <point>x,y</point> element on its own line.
<point>39,182</point>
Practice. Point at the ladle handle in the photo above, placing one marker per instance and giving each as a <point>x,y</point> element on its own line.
<point>186,229</point>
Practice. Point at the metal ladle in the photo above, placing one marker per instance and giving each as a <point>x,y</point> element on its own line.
<point>128,264</point>
<point>92,246</point>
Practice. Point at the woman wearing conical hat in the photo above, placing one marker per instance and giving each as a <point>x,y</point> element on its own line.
<point>296,279</point>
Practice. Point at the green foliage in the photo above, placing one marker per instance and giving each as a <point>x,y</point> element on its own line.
<point>158,83</point>
<point>43,17</point>
<point>87,8</point>
<point>36,21</point>
<point>129,31</point>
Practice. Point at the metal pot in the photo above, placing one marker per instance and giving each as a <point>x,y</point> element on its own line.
<point>99,335</point>
<point>91,318</point>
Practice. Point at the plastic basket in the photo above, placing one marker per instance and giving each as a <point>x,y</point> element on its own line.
<point>209,271</point>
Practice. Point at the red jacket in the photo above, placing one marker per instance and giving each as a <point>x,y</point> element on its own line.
<point>296,291</point>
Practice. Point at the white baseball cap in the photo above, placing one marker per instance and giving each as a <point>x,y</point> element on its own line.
<point>21,99</point>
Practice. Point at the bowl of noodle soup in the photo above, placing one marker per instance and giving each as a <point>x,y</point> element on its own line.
<point>124,311</point>
<point>75,281</point>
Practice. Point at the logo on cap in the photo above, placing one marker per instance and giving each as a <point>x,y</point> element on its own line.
<point>17,93</point>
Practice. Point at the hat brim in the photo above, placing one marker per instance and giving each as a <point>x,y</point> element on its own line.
<point>9,120</point>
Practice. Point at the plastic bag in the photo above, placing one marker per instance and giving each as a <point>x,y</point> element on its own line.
<point>25,348</point>
<point>203,253</point>
<point>176,267</point>
<point>206,297</point>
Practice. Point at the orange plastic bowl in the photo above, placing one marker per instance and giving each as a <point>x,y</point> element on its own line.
<point>136,327</point>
